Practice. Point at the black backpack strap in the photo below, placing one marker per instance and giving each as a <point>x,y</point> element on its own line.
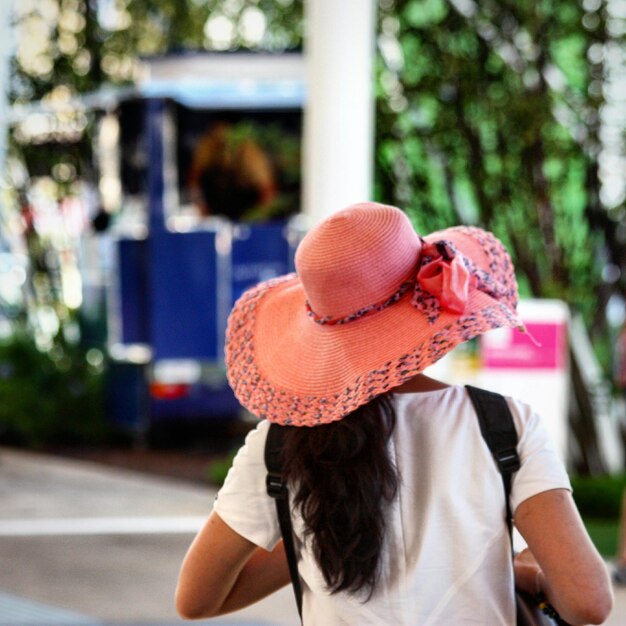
<point>277,489</point>
<point>498,430</point>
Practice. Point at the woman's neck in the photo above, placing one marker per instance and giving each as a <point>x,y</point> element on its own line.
<point>420,383</point>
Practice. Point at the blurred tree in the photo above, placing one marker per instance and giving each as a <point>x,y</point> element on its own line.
<point>81,44</point>
<point>143,27</point>
<point>489,113</point>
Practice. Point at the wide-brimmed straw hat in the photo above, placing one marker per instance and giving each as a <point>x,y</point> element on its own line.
<point>371,305</point>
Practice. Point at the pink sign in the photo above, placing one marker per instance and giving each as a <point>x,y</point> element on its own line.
<point>512,349</point>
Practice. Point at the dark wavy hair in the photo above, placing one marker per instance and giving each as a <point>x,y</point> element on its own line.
<point>342,477</point>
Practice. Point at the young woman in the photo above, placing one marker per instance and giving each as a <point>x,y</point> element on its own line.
<point>397,504</point>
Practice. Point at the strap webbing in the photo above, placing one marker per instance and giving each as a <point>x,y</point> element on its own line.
<point>498,430</point>
<point>277,489</point>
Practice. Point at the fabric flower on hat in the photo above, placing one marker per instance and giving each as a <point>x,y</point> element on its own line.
<point>444,276</point>
<point>443,280</point>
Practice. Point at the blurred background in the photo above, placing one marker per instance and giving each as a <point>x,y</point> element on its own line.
<point>159,158</point>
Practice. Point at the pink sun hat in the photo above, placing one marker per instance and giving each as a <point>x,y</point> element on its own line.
<point>371,305</point>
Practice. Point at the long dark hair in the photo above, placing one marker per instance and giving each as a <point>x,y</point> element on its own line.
<point>342,477</point>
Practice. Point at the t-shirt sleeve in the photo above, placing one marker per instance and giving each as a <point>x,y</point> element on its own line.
<point>243,502</point>
<point>541,467</point>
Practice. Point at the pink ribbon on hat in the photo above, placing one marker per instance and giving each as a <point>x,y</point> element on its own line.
<point>443,275</point>
<point>444,278</point>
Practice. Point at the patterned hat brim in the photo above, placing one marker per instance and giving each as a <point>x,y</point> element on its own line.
<point>285,368</point>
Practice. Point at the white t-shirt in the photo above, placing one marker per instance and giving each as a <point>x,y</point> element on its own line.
<point>446,557</point>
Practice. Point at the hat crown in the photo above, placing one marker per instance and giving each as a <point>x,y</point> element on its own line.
<point>356,258</point>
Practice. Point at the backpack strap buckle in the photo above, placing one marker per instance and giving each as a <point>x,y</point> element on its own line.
<point>507,460</point>
<point>275,485</point>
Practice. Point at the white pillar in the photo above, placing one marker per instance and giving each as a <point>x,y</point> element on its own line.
<point>339,114</point>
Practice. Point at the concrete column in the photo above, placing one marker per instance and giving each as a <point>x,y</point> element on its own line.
<point>339,115</point>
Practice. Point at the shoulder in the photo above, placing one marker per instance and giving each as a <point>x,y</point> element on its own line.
<point>528,422</point>
<point>253,448</point>
<point>529,425</point>
<point>247,473</point>
<point>258,434</point>
<point>523,413</point>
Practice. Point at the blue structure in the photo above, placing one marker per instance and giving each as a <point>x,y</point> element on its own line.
<point>173,287</point>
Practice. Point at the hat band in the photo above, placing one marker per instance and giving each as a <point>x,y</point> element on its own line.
<point>443,280</point>
<point>372,308</point>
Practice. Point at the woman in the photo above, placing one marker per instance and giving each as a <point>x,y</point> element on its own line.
<point>397,504</point>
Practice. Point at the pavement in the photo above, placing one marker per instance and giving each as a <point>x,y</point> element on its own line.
<point>82,544</point>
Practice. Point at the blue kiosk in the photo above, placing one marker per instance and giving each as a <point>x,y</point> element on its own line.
<point>179,269</point>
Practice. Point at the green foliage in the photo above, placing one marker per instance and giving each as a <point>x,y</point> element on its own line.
<point>86,48</point>
<point>486,115</point>
<point>604,534</point>
<point>599,496</point>
<point>420,13</point>
<point>218,468</point>
<point>49,398</point>
<point>599,500</point>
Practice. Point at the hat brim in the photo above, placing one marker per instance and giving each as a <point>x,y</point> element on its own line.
<point>288,369</point>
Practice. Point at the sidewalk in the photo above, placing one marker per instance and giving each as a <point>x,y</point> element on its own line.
<point>86,545</point>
